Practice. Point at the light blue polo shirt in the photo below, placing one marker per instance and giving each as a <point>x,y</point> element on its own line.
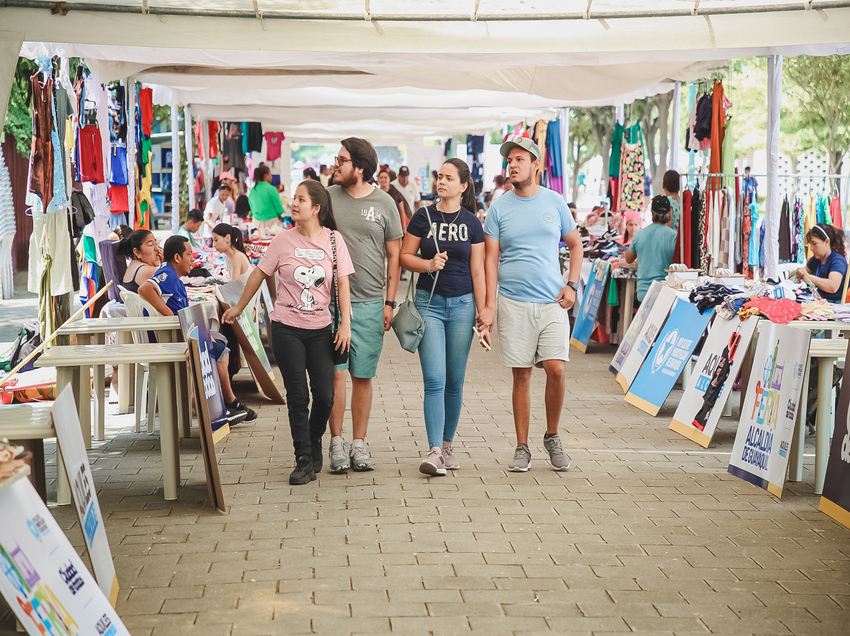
<point>529,230</point>
<point>653,246</point>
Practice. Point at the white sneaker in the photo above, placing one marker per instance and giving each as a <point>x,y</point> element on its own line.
<point>360,458</point>
<point>338,455</point>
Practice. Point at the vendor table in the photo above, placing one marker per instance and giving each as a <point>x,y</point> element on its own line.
<point>97,328</point>
<point>73,362</point>
<point>826,351</point>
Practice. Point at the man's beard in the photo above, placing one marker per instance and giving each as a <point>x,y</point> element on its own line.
<point>345,182</point>
<point>521,185</point>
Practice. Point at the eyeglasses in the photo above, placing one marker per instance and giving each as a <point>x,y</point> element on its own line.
<point>341,160</point>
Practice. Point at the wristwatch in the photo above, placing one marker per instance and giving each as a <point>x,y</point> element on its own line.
<point>573,285</point>
<point>390,303</point>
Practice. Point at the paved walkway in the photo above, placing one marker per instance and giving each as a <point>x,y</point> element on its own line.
<point>646,533</point>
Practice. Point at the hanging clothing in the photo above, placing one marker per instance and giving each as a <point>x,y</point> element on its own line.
<point>253,137</point>
<point>746,233</point>
<point>686,226</point>
<point>146,109</point>
<point>754,237</point>
<point>739,234</point>
<point>718,122</point>
<point>616,146</point>
<point>835,211</point>
<point>632,170</point>
<point>822,210</point>
<point>797,231</point>
<point>701,236</point>
<point>90,151</point>
<point>785,255</point>
<point>41,155</point>
<point>273,143</point>
<point>727,161</point>
<point>703,119</point>
<point>696,227</point>
<point>809,221</point>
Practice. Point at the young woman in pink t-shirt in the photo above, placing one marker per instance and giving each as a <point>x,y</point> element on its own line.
<point>302,258</point>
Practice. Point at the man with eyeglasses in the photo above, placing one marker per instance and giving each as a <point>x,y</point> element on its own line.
<point>369,221</point>
<point>522,233</point>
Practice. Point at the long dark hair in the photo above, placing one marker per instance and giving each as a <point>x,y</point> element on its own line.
<point>127,247</point>
<point>467,197</point>
<point>235,234</point>
<point>319,196</point>
<point>243,207</point>
<point>823,231</point>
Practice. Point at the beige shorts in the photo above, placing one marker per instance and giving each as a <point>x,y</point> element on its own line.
<point>530,333</point>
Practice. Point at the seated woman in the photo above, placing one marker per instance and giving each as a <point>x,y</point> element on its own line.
<point>633,223</point>
<point>828,266</point>
<point>227,240</point>
<point>146,255</point>
<point>653,247</point>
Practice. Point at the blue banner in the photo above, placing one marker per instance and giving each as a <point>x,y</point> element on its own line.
<point>668,356</point>
<point>590,304</point>
<point>194,325</point>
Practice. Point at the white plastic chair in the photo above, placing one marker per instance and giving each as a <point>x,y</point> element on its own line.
<point>136,306</point>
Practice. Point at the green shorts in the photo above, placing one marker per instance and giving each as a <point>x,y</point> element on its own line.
<point>367,339</point>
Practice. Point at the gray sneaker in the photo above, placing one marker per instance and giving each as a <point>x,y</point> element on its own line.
<point>360,458</point>
<point>433,464</point>
<point>522,459</point>
<point>560,460</point>
<point>338,455</point>
<point>449,457</point>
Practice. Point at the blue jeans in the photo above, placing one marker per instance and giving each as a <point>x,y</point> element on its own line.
<point>443,353</point>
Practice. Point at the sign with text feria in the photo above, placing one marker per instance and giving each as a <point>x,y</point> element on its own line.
<point>836,487</point>
<point>769,411</point>
<point>590,305</point>
<point>44,580</point>
<point>667,358</point>
<point>703,400</point>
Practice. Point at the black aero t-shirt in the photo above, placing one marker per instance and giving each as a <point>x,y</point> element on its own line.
<point>456,233</point>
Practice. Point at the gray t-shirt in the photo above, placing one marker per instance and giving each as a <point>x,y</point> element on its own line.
<point>366,225</point>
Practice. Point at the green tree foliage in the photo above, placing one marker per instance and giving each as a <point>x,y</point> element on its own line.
<point>582,145</point>
<point>19,113</point>
<point>821,88</point>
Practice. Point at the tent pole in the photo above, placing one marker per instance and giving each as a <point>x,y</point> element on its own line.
<point>131,151</point>
<point>190,155</point>
<point>620,114</point>
<point>673,163</point>
<point>565,152</point>
<point>771,219</point>
<point>175,169</point>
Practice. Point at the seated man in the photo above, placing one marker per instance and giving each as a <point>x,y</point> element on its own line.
<point>190,228</point>
<point>167,293</point>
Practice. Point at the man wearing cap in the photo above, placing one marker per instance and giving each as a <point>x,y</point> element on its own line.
<point>524,285</point>
<point>407,188</point>
<point>230,202</point>
<point>653,246</point>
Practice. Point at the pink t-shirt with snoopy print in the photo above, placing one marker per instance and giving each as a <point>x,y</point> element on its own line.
<point>304,268</point>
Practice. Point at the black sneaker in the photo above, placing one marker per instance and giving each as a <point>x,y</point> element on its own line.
<point>249,415</point>
<point>303,473</point>
<point>235,416</point>
<point>317,455</point>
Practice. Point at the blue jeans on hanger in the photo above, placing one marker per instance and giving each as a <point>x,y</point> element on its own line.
<point>443,354</point>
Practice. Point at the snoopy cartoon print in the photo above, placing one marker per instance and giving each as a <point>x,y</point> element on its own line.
<point>308,278</point>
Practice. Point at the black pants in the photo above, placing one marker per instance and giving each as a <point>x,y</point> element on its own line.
<point>300,352</point>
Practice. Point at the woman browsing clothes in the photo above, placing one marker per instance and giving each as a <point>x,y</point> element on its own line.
<point>146,255</point>
<point>457,256</point>
<point>227,240</point>
<point>304,344</point>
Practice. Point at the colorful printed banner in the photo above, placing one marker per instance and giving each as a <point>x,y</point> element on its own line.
<point>67,424</point>
<point>836,487</point>
<point>635,327</point>
<point>658,312</point>
<point>45,582</point>
<point>760,452</point>
<point>717,367</point>
<point>590,305</point>
<point>669,355</point>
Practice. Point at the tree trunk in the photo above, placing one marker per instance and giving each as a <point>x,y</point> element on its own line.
<point>576,170</point>
<point>664,103</point>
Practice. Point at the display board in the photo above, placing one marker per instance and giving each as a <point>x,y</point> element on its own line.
<point>45,582</point>
<point>836,486</point>
<point>710,385</point>
<point>194,325</point>
<point>635,327</point>
<point>70,436</point>
<point>590,305</point>
<point>658,312</point>
<point>669,355</point>
<point>208,440</point>
<point>249,340</point>
<point>766,427</point>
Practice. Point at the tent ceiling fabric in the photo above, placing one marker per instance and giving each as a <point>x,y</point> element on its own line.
<point>423,76</point>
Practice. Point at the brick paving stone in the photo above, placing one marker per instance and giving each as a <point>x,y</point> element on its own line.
<point>646,532</point>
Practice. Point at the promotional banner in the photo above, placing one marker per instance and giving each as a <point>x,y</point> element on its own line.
<point>590,305</point>
<point>670,353</point>
<point>711,383</point>
<point>45,582</point>
<point>194,325</point>
<point>658,312</point>
<point>70,436</point>
<point>769,411</point>
<point>248,337</point>
<point>635,326</point>
<point>836,487</point>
